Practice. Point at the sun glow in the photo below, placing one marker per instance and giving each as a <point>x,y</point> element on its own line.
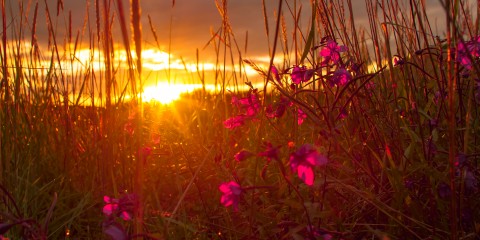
<point>166,93</point>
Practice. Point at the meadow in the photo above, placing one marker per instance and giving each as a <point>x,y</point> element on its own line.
<point>356,132</point>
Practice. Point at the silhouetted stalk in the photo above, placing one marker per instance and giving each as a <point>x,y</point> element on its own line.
<point>137,33</point>
<point>5,85</point>
<point>389,58</point>
<point>452,78</point>
<point>108,57</point>
<point>4,93</point>
<point>356,46</point>
<point>372,19</point>
<point>272,57</point>
<point>425,39</point>
<point>224,37</point>
<point>265,19</point>
<point>137,88</point>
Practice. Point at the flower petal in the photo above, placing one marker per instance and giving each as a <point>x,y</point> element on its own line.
<point>224,188</point>
<point>242,155</point>
<point>316,159</point>
<point>306,174</point>
<point>234,122</point>
<point>125,216</point>
<point>108,209</point>
<point>301,116</point>
<point>226,200</point>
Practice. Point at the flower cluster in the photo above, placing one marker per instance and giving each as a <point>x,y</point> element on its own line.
<point>331,52</point>
<point>305,158</point>
<point>331,55</point>
<point>230,194</point>
<point>467,51</point>
<point>114,208</point>
<point>340,77</point>
<point>278,110</point>
<point>122,207</point>
<point>301,116</point>
<point>302,161</point>
<point>249,107</point>
<point>301,74</point>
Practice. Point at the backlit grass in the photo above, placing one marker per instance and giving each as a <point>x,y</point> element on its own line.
<point>357,131</point>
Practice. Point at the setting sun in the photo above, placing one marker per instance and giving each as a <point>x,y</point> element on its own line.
<point>166,93</point>
<point>162,93</point>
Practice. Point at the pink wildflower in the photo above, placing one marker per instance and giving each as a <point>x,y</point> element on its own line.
<point>297,74</point>
<point>110,206</point>
<point>331,52</point>
<point>301,116</point>
<point>340,77</point>
<point>301,74</point>
<point>467,50</point>
<point>243,155</point>
<point>276,75</point>
<point>270,152</point>
<point>231,194</point>
<point>303,160</point>
<point>235,122</point>
<point>113,207</point>
<point>249,108</point>
<point>250,104</point>
<point>279,109</point>
<point>398,61</point>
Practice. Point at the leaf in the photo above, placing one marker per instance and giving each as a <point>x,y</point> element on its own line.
<point>311,34</point>
<point>408,151</point>
<point>308,45</point>
<point>423,113</point>
<point>50,212</point>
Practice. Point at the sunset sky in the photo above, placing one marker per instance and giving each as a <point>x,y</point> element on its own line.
<point>188,24</point>
<point>192,20</point>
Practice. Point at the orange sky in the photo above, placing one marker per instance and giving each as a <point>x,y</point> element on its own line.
<point>186,26</point>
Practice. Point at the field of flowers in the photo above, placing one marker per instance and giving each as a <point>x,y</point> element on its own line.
<point>356,133</point>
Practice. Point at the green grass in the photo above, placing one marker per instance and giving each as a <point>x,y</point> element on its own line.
<point>401,140</point>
